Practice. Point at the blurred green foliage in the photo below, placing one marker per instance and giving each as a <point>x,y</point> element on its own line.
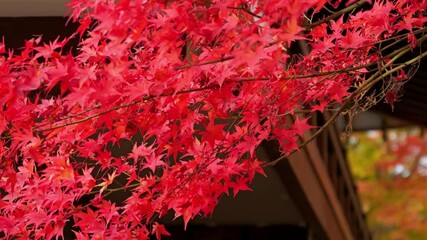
<point>393,191</point>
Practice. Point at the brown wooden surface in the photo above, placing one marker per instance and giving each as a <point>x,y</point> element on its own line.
<point>353,209</point>
<point>323,189</point>
<point>309,194</point>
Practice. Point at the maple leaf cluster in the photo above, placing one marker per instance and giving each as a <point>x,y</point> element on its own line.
<point>193,87</point>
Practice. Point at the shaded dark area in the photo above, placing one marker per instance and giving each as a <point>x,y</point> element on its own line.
<point>412,105</point>
<point>16,30</point>
<point>238,233</point>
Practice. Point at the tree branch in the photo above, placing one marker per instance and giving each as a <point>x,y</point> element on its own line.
<point>369,83</point>
<point>337,14</point>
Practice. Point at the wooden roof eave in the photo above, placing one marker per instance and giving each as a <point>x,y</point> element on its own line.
<point>307,178</point>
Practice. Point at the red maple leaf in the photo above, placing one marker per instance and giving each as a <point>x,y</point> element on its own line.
<point>241,184</point>
<point>159,230</point>
<point>214,132</point>
<point>141,151</point>
<point>301,126</point>
<point>152,162</point>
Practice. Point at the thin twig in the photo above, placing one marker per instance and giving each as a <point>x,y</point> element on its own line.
<point>337,14</point>
<point>246,10</point>
<point>344,105</point>
<point>119,107</point>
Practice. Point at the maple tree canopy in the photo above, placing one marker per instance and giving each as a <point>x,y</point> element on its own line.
<point>194,87</point>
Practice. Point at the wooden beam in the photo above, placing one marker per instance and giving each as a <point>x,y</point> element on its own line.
<point>306,178</point>
<point>348,181</point>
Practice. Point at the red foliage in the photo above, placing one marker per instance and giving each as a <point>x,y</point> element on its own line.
<point>202,83</point>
